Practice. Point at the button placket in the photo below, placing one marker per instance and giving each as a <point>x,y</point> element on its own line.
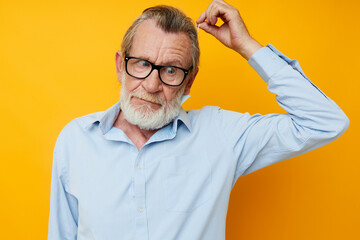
<point>139,193</point>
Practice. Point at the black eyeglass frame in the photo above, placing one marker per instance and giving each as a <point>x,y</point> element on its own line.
<point>157,67</point>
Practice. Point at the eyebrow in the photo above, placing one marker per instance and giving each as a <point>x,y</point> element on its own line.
<point>174,63</point>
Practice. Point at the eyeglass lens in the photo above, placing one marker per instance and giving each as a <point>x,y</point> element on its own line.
<point>141,68</point>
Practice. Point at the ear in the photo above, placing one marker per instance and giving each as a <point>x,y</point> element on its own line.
<point>190,82</point>
<point>119,65</point>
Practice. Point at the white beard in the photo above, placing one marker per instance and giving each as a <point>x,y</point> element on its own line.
<point>144,116</point>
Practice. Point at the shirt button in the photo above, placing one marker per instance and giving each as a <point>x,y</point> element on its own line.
<point>138,166</point>
<point>140,210</point>
<point>273,56</point>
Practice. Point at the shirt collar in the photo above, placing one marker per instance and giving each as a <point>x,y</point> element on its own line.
<point>182,117</point>
<point>107,118</point>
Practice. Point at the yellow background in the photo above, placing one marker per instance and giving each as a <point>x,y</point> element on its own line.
<point>57,63</point>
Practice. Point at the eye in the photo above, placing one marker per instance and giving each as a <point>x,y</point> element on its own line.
<point>144,63</point>
<point>170,70</point>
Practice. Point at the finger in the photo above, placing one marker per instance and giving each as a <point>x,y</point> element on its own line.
<point>202,18</point>
<point>215,9</point>
<point>210,14</point>
<point>213,15</point>
<point>218,9</point>
<point>203,15</point>
<point>212,29</point>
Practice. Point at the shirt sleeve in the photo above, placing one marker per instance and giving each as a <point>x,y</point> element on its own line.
<point>63,205</point>
<point>312,119</point>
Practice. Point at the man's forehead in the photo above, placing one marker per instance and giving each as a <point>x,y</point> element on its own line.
<point>153,43</point>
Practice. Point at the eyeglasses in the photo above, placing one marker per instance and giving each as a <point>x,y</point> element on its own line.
<point>141,68</point>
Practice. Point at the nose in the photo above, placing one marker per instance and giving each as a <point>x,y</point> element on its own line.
<point>152,83</point>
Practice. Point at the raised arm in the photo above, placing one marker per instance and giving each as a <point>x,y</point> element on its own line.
<point>312,118</point>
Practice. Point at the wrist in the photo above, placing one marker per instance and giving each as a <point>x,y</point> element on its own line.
<point>249,48</point>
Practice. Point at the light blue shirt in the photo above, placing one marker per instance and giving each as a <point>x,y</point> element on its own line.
<point>178,185</point>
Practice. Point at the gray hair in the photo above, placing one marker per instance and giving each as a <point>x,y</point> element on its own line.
<point>170,20</point>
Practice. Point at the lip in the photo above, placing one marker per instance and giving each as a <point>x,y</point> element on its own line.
<point>140,101</point>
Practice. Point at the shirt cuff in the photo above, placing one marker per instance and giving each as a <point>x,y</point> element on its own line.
<point>266,62</point>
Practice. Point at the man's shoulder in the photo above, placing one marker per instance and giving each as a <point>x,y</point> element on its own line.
<point>86,120</point>
<point>81,123</point>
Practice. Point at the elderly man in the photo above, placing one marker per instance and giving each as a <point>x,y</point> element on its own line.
<point>147,169</point>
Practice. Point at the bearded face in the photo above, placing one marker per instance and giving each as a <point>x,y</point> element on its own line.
<point>144,115</point>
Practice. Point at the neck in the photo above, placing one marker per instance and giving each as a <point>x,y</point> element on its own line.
<point>138,136</point>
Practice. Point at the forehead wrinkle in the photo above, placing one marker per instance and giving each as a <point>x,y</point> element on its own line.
<point>161,48</point>
<point>171,56</point>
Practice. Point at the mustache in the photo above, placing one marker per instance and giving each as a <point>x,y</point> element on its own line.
<point>148,97</point>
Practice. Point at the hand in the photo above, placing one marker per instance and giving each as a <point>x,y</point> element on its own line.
<point>233,32</point>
